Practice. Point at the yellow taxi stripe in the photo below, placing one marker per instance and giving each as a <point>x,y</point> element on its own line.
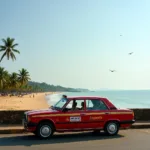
<point>78,114</point>
<point>121,113</point>
<point>53,115</point>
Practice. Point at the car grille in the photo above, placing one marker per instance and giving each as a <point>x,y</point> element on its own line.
<point>24,120</point>
<point>24,117</point>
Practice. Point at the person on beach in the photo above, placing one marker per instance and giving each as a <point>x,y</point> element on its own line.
<point>65,96</point>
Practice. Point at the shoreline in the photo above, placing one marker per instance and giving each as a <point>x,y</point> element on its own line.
<point>42,101</point>
<point>27,102</point>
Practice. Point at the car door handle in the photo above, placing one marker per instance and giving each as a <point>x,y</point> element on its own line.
<point>83,114</point>
<point>107,112</point>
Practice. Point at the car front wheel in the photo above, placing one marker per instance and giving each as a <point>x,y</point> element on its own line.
<point>45,130</point>
<point>111,128</point>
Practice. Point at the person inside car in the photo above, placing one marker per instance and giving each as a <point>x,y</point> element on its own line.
<point>74,106</point>
<point>82,106</point>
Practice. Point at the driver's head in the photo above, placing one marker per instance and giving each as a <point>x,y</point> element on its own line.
<point>82,104</point>
<point>74,103</point>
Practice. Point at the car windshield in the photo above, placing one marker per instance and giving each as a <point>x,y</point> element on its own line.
<point>60,103</point>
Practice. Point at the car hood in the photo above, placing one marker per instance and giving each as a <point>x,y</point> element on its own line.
<point>40,111</point>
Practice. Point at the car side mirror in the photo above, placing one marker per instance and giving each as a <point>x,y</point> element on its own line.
<point>51,107</point>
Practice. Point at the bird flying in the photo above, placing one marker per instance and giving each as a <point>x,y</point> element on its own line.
<point>130,53</point>
<point>112,70</point>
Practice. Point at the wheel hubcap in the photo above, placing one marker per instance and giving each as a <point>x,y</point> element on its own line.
<point>112,128</point>
<point>45,131</point>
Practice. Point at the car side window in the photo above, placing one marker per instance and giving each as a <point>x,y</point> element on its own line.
<point>95,104</point>
<point>75,105</point>
<point>69,105</point>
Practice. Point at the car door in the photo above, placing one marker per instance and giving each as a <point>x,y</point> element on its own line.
<point>95,116</point>
<point>73,118</point>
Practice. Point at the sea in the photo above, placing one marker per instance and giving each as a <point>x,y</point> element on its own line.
<point>121,99</point>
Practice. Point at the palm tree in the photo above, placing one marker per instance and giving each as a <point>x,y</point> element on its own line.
<point>9,48</point>
<point>13,80</point>
<point>3,77</point>
<point>6,86</point>
<point>23,77</point>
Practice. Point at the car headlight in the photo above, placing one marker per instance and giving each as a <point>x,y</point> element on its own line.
<point>28,118</point>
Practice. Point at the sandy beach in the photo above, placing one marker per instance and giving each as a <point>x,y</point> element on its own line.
<point>27,102</point>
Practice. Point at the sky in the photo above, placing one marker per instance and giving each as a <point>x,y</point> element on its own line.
<point>74,43</point>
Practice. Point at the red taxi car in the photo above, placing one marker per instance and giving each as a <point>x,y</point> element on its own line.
<point>78,114</point>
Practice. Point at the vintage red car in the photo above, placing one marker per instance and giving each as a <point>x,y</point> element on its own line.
<point>78,114</point>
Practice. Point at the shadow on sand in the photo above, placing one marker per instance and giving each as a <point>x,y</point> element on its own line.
<point>29,140</point>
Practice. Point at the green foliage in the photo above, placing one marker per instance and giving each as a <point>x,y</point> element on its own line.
<point>23,76</point>
<point>15,81</point>
<point>36,86</point>
<point>8,48</point>
<point>19,82</point>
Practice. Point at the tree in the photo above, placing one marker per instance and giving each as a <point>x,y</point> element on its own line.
<point>3,77</point>
<point>23,77</point>
<point>13,81</point>
<point>9,49</point>
<point>6,86</point>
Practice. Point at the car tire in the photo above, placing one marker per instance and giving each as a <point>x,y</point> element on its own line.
<point>45,130</point>
<point>112,128</point>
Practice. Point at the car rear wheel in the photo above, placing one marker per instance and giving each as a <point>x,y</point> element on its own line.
<point>111,128</point>
<point>45,130</point>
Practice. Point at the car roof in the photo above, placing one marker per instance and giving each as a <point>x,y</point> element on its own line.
<point>93,98</point>
<point>83,97</point>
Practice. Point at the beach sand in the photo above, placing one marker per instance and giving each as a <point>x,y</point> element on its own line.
<point>27,102</point>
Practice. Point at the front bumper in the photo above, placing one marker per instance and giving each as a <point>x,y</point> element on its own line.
<point>29,126</point>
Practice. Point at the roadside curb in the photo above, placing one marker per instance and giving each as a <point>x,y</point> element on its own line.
<point>9,130</point>
<point>140,126</point>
